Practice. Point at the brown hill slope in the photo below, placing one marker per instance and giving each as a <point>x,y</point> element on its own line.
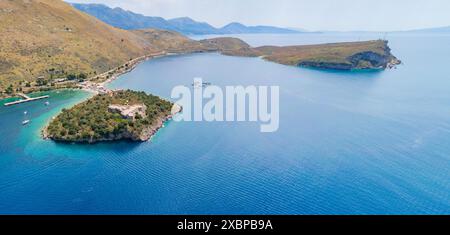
<point>169,41</point>
<point>345,56</point>
<point>50,38</point>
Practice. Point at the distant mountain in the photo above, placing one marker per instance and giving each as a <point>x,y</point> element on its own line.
<point>301,30</point>
<point>123,19</point>
<point>430,30</point>
<point>236,28</point>
<point>120,18</point>
<point>424,30</point>
<point>187,25</point>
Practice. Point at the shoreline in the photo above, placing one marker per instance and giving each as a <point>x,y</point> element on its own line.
<point>97,83</point>
<point>100,87</point>
<point>146,135</point>
<point>92,86</point>
<point>109,75</point>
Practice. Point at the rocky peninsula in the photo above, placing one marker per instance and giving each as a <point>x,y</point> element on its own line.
<point>116,115</point>
<point>341,56</point>
<point>366,55</point>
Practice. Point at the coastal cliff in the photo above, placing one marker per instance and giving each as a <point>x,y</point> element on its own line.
<point>340,56</point>
<point>364,55</point>
<point>118,115</point>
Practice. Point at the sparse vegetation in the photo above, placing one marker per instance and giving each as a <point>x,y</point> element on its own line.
<point>47,37</point>
<point>350,55</point>
<point>345,56</point>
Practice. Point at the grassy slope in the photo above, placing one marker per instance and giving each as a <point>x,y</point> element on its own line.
<point>348,55</point>
<point>327,53</point>
<point>38,35</point>
<point>164,40</point>
<point>50,38</point>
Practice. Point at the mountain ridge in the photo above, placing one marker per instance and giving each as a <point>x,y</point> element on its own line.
<point>129,20</point>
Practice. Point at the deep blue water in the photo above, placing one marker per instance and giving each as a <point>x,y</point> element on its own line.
<point>348,143</point>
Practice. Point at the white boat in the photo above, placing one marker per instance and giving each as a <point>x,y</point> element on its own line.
<point>47,103</point>
<point>25,113</point>
<point>26,122</point>
<point>198,84</point>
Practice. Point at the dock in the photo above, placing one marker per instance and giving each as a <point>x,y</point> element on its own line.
<point>26,99</point>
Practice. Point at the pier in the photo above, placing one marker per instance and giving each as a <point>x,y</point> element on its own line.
<point>26,99</point>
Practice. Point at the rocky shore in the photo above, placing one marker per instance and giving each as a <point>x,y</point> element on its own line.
<point>148,132</point>
<point>368,55</point>
<point>94,121</point>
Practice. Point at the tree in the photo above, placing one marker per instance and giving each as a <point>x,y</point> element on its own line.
<point>9,90</point>
<point>71,77</point>
<point>82,77</point>
<point>41,81</point>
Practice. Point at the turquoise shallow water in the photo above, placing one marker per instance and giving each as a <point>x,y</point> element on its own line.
<point>348,143</point>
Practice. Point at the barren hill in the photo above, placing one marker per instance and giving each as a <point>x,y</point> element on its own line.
<point>343,56</point>
<point>50,38</point>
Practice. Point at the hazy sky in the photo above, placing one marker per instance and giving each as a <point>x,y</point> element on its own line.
<point>376,15</point>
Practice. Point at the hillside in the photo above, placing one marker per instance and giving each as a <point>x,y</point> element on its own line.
<point>50,38</point>
<point>44,41</point>
<point>123,19</point>
<point>341,56</point>
<point>238,28</point>
<point>169,41</point>
<point>187,25</point>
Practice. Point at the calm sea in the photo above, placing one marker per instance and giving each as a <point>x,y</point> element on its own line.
<point>348,143</point>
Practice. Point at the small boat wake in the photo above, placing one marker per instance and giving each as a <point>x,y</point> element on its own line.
<point>26,121</point>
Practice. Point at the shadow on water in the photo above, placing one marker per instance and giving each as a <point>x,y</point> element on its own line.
<point>373,72</point>
<point>119,146</point>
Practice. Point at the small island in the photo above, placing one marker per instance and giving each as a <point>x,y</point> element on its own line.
<point>116,115</point>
